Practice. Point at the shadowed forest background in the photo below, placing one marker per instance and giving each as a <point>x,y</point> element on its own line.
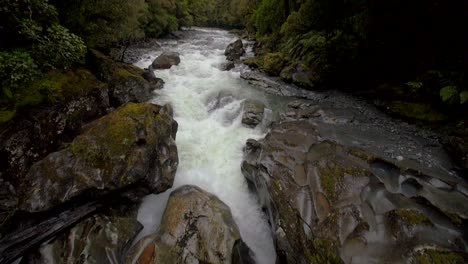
<point>411,53</point>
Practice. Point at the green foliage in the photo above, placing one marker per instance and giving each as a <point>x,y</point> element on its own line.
<point>16,68</point>
<point>58,48</point>
<point>463,97</point>
<point>269,16</point>
<point>449,94</point>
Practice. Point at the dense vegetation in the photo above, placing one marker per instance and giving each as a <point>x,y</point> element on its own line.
<point>40,36</point>
<point>417,49</point>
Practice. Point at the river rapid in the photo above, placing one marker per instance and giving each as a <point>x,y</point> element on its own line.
<point>207,105</point>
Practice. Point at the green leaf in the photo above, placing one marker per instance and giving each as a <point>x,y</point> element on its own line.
<point>463,97</point>
<point>448,93</point>
<point>7,92</point>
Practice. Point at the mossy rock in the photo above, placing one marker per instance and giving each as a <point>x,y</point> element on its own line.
<point>134,145</point>
<point>273,63</point>
<point>406,217</point>
<point>414,111</point>
<point>254,62</point>
<point>323,252</point>
<point>434,256</point>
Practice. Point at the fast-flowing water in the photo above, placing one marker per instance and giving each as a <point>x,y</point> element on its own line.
<point>207,105</point>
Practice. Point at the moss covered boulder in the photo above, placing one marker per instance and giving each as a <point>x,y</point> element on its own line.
<point>196,228</point>
<point>131,148</point>
<point>273,63</point>
<point>127,83</point>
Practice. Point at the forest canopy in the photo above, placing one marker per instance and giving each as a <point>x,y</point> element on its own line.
<point>356,45</point>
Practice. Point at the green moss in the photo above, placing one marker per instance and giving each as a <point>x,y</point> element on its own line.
<point>322,252</point>
<point>122,73</point>
<point>412,217</point>
<point>273,63</point>
<point>58,86</point>
<point>431,256</point>
<point>254,62</point>
<point>6,115</point>
<point>112,136</point>
<point>418,111</point>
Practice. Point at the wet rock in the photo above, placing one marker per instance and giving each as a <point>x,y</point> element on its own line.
<point>126,82</point>
<point>227,66</point>
<point>254,63</point>
<point>234,50</point>
<point>298,75</point>
<point>253,113</point>
<point>133,147</point>
<point>328,183</point>
<point>149,75</point>
<point>102,238</point>
<point>196,228</point>
<point>43,129</point>
<point>275,86</point>
<point>166,60</point>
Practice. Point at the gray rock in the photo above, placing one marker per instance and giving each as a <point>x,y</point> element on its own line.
<point>196,228</point>
<point>253,113</point>
<point>166,60</point>
<point>133,147</point>
<point>298,75</point>
<point>227,66</point>
<point>327,183</point>
<point>149,75</point>
<point>102,238</point>
<point>234,50</point>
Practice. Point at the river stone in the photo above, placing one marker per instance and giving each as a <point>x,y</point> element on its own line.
<point>132,147</point>
<point>102,238</point>
<point>227,66</point>
<point>166,60</point>
<point>126,82</point>
<point>326,195</point>
<point>253,113</point>
<point>196,228</point>
<point>149,75</point>
<point>234,50</point>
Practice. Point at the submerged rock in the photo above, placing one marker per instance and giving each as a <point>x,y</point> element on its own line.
<point>253,113</point>
<point>234,50</point>
<point>132,148</point>
<point>328,183</point>
<point>166,60</point>
<point>196,228</point>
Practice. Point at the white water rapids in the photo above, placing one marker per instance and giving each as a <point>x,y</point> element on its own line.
<point>207,105</point>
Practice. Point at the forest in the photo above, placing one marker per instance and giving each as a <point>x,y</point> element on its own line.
<point>363,46</point>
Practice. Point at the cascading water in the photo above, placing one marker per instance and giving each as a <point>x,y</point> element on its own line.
<point>207,104</point>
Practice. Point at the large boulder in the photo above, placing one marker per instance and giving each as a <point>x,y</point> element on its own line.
<point>166,60</point>
<point>100,239</point>
<point>40,130</point>
<point>332,176</point>
<point>252,112</point>
<point>127,83</point>
<point>131,148</point>
<point>196,228</point>
<point>234,50</point>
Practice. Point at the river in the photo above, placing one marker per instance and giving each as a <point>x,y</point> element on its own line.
<point>207,105</point>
